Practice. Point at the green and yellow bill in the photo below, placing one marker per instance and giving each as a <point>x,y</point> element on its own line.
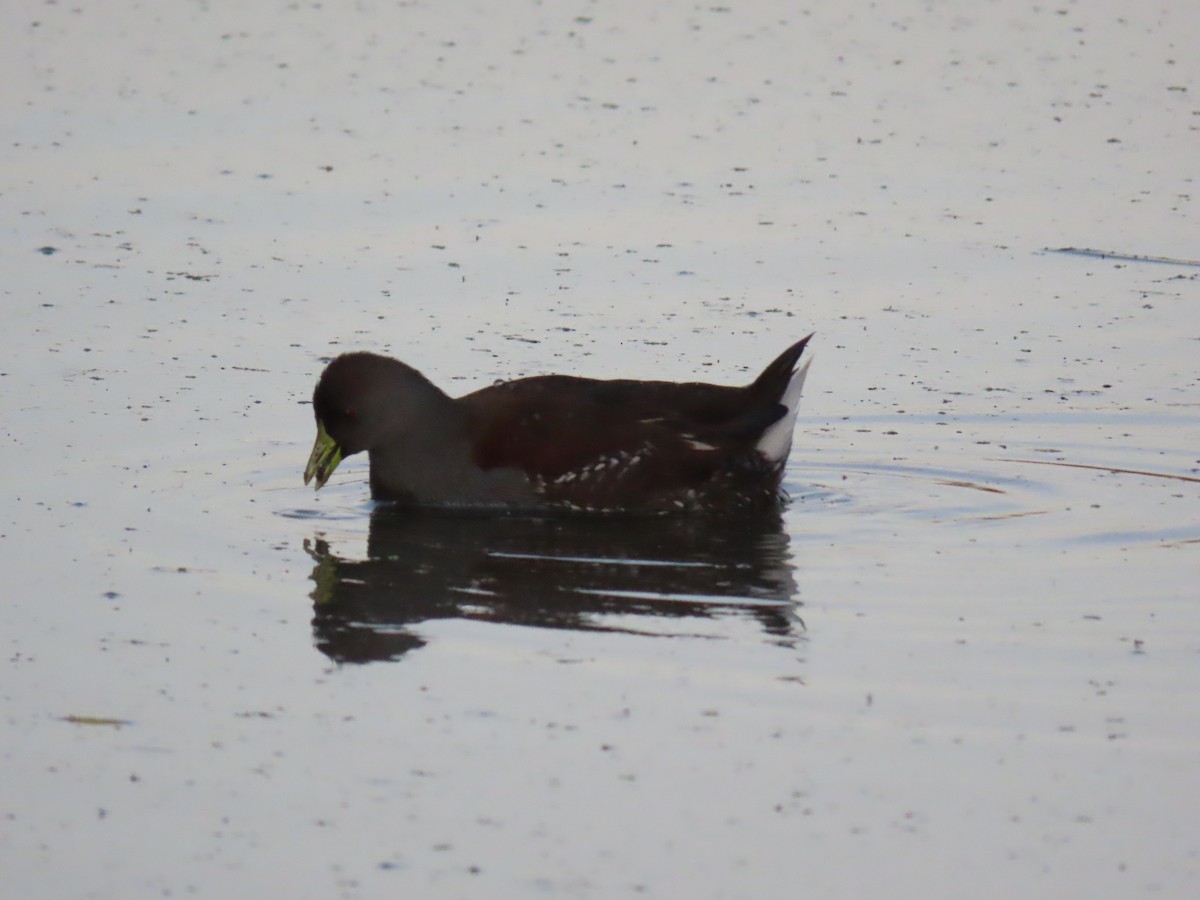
<point>326,455</point>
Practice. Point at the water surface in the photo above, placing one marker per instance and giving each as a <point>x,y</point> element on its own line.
<point>962,662</point>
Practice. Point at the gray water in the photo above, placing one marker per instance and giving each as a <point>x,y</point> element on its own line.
<point>964,662</point>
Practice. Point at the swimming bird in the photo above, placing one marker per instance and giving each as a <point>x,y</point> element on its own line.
<point>560,442</point>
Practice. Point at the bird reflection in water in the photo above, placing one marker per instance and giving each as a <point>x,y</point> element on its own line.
<point>587,574</point>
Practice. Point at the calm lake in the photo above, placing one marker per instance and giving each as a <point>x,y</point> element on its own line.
<point>964,661</point>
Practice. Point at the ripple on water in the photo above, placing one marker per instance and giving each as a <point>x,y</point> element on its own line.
<point>380,573</point>
<point>1084,494</point>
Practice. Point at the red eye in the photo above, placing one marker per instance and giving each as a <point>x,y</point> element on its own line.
<point>351,413</point>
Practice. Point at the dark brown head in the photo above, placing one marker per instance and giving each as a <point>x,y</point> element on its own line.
<point>362,402</point>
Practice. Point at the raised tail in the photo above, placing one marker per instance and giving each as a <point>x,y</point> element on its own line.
<point>782,381</point>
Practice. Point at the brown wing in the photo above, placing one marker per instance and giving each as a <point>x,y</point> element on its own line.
<point>625,444</point>
<point>601,443</point>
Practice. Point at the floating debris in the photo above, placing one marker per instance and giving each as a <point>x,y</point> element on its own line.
<point>1112,470</point>
<point>1126,257</point>
<point>96,720</point>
